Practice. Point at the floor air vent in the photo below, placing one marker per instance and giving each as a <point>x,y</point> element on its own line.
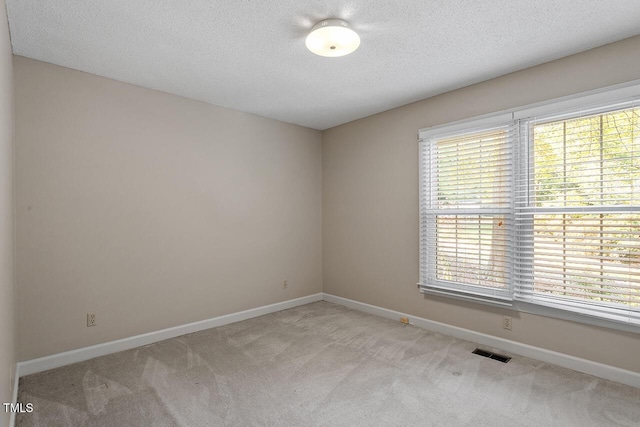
<point>498,357</point>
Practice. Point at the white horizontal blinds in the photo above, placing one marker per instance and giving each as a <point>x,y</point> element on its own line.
<point>473,170</point>
<point>427,232</point>
<point>467,221</point>
<point>472,249</point>
<point>578,214</point>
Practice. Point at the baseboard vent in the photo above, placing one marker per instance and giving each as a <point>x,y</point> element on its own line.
<point>498,357</point>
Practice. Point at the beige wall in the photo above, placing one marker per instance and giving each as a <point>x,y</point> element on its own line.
<point>370,203</point>
<point>7,288</point>
<point>153,210</point>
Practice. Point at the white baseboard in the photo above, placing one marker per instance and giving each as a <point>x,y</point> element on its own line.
<point>68,357</point>
<point>566,361</point>
<point>571,362</point>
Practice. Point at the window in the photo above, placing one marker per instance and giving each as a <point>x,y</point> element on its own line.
<point>578,213</point>
<point>540,211</point>
<point>467,213</point>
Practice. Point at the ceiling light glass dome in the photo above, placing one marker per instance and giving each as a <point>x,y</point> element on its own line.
<point>332,38</point>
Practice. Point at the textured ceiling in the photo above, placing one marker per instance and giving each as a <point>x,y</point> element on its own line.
<point>250,54</point>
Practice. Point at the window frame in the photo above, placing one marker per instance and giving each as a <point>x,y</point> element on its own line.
<point>428,282</point>
<point>526,144</point>
<point>559,107</point>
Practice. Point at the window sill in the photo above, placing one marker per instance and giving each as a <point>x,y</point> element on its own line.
<point>464,296</point>
<point>556,313</point>
<point>536,309</point>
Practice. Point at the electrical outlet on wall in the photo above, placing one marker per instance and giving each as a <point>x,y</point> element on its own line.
<point>284,284</point>
<point>91,319</point>
<point>506,322</point>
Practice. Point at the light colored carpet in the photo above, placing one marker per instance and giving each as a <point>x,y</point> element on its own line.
<point>320,365</point>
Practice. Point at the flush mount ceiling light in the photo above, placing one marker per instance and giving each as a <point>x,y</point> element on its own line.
<point>332,37</point>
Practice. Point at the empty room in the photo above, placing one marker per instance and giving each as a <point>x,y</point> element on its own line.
<point>319,213</point>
